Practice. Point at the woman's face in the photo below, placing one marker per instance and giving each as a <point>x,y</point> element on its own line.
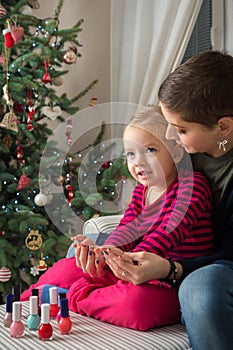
<point>194,137</point>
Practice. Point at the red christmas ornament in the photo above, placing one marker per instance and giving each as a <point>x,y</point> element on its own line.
<point>19,107</point>
<point>46,77</point>
<point>24,181</point>
<point>30,127</point>
<point>106,165</point>
<point>70,193</point>
<point>9,41</point>
<point>19,153</point>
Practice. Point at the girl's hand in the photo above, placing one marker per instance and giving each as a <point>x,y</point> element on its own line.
<point>84,246</point>
<point>88,256</point>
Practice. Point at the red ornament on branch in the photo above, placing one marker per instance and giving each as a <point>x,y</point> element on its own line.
<point>9,41</point>
<point>46,77</point>
<point>24,181</point>
<point>30,127</point>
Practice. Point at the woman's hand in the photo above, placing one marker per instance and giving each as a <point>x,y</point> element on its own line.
<point>138,267</point>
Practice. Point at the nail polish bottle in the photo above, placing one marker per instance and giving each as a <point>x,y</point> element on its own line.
<point>54,308</point>
<point>35,292</point>
<point>61,296</point>
<point>65,323</point>
<point>33,320</point>
<point>16,292</point>
<point>8,315</point>
<point>17,326</point>
<point>45,330</point>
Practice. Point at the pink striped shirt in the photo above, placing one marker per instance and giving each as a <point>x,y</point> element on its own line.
<point>177,225</point>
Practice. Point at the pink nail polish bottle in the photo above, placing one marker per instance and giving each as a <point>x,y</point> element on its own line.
<point>61,296</point>
<point>65,323</point>
<point>17,326</point>
<point>8,315</point>
<point>45,330</point>
<point>54,308</point>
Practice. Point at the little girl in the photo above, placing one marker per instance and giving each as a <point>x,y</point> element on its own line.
<point>169,215</point>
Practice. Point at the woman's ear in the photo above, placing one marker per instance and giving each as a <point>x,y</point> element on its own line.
<point>225,126</point>
<point>177,153</point>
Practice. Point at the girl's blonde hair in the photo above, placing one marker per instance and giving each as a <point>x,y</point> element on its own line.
<point>151,119</point>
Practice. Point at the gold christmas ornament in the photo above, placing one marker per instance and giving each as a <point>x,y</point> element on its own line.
<point>9,121</point>
<point>33,240</point>
<point>70,57</point>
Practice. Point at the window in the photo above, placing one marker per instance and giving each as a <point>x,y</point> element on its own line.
<point>208,32</point>
<point>200,39</point>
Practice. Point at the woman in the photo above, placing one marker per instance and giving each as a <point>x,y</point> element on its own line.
<point>197,101</point>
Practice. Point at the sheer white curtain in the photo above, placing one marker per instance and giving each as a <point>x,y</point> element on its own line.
<point>148,40</point>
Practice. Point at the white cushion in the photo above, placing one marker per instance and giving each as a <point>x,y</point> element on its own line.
<point>99,224</point>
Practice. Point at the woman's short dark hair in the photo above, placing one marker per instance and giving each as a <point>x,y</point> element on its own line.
<point>201,89</point>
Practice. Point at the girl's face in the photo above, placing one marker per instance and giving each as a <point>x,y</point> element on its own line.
<point>194,137</point>
<point>149,160</point>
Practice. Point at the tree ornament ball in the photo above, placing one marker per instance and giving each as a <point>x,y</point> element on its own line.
<point>2,11</point>
<point>40,199</point>
<point>69,57</point>
<point>5,274</point>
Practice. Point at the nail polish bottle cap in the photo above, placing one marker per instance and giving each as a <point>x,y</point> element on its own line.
<point>53,295</point>
<point>64,308</point>
<point>33,305</point>
<point>35,291</point>
<point>16,292</point>
<point>61,296</point>
<point>45,313</point>
<point>9,301</point>
<point>16,315</point>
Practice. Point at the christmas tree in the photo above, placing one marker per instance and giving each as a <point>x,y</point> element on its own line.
<point>33,53</point>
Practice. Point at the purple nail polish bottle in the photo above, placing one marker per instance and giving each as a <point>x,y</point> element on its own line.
<point>8,315</point>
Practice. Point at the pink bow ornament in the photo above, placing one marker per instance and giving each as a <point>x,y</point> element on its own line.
<point>17,33</point>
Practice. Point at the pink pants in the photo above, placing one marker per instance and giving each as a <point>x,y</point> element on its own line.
<point>112,300</point>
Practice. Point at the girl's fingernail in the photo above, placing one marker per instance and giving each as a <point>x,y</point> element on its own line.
<point>105,252</point>
<point>89,252</point>
<point>103,258</point>
<point>97,261</point>
<point>83,245</point>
